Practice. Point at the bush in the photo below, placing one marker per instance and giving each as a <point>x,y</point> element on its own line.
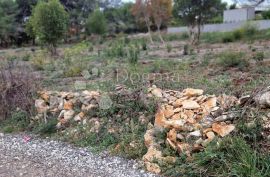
<point>238,34</point>
<point>18,121</point>
<point>266,14</point>
<point>17,89</point>
<point>169,48</point>
<point>144,45</point>
<point>186,49</point>
<point>46,128</point>
<point>133,54</point>
<point>232,59</point>
<point>96,23</point>
<point>259,56</point>
<point>228,37</point>
<point>249,29</point>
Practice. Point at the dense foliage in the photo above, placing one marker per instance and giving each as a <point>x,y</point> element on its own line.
<point>96,23</point>
<point>7,21</point>
<point>49,23</point>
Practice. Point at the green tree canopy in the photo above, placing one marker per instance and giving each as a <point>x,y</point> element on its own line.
<point>49,23</point>
<point>96,23</point>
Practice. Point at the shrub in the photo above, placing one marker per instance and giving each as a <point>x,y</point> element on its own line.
<point>266,14</point>
<point>144,45</point>
<point>169,48</point>
<point>17,89</point>
<point>184,36</point>
<point>96,23</point>
<point>186,49</point>
<point>259,56</point>
<point>249,29</point>
<point>46,128</point>
<point>18,121</point>
<point>232,59</point>
<point>49,22</point>
<point>228,37</point>
<point>133,54</point>
<point>238,34</point>
<point>26,57</point>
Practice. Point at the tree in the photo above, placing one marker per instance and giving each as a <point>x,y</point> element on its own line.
<point>49,22</point>
<point>250,2</point>
<point>195,13</point>
<point>96,23</point>
<point>161,12</point>
<point>120,19</point>
<point>8,11</point>
<point>142,11</point>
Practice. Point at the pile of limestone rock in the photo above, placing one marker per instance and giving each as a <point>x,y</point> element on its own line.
<point>66,106</point>
<point>193,120</point>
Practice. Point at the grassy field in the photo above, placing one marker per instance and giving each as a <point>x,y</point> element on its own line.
<point>235,63</point>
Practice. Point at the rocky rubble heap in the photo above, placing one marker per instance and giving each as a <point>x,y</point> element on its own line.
<point>63,104</point>
<point>193,120</point>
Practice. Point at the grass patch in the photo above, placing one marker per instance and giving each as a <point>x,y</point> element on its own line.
<point>231,156</point>
<point>19,121</point>
<point>232,59</point>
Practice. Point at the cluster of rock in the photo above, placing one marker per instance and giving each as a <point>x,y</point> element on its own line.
<point>193,120</point>
<point>66,106</point>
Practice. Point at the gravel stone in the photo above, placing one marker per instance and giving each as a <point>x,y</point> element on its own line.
<point>44,157</point>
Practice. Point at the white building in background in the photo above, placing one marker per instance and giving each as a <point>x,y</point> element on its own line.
<point>239,15</point>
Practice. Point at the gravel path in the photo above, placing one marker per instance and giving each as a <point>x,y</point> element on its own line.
<point>41,157</point>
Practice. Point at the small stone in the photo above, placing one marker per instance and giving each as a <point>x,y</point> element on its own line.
<point>188,104</point>
<point>177,103</point>
<point>2,134</point>
<point>192,92</point>
<point>152,167</point>
<point>69,114</point>
<point>172,135</point>
<point>196,133</point>
<point>180,136</point>
<point>177,110</point>
<point>263,100</point>
<point>209,104</point>
<point>45,96</point>
<point>226,117</point>
<point>152,154</point>
<point>149,138</point>
<point>177,124</point>
<point>176,116</point>
<point>68,105</point>
<point>168,112</point>
<point>157,92</point>
<point>183,148</point>
<point>79,117</point>
<point>41,106</point>
<point>222,130</point>
<point>160,118</point>
<point>244,99</point>
<point>210,135</point>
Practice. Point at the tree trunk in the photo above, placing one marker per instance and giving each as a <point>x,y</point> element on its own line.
<point>149,29</point>
<point>159,34</point>
<point>149,33</point>
<point>52,48</point>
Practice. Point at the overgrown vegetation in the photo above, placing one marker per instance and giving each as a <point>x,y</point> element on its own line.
<point>231,156</point>
<point>230,59</point>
